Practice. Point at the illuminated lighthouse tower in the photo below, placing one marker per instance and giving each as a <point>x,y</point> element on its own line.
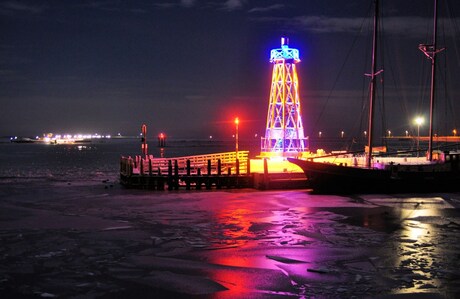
<point>284,135</point>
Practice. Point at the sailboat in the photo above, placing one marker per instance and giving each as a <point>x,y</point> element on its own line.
<point>438,171</point>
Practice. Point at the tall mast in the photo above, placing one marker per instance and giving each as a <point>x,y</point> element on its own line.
<point>372,85</point>
<point>433,76</point>
<point>430,51</point>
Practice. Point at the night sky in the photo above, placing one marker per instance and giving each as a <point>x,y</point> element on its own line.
<point>188,68</point>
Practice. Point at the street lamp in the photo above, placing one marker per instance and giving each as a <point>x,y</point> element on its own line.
<point>237,121</point>
<point>418,122</point>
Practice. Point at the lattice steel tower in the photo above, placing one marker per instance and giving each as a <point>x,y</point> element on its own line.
<point>284,134</point>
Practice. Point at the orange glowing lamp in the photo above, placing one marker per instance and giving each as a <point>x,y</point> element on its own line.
<point>237,121</point>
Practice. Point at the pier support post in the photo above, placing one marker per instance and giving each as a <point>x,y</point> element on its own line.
<point>170,175</point>
<point>219,173</point>
<point>161,183</point>
<point>187,180</point>
<point>228,179</point>
<point>237,166</point>
<point>265,180</point>
<point>208,181</point>
<point>198,180</point>
<point>176,175</point>
<point>141,164</point>
<point>131,166</point>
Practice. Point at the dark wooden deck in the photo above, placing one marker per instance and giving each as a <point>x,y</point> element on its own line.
<point>221,170</point>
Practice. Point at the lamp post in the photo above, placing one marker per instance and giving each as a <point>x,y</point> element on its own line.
<point>144,140</point>
<point>237,121</point>
<point>418,122</point>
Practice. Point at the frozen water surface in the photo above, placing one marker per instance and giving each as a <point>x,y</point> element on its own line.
<point>70,235</point>
<point>90,239</point>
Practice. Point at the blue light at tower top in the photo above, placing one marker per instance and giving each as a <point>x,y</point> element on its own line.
<point>284,53</point>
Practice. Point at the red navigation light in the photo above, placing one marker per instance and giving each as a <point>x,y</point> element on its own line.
<point>162,140</point>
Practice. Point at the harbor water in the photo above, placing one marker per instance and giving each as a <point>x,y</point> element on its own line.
<point>68,229</point>
<point>94,161</point>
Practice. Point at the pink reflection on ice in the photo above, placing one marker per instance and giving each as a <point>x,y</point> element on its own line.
<point>259,248</point>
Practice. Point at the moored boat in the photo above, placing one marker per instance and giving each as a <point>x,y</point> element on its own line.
<point>369,173</point>
<point>385,176</point>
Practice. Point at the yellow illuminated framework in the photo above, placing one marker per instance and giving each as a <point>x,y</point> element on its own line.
<point>284,134</point>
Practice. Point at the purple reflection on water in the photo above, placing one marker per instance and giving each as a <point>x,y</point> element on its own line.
<point>222,244</point>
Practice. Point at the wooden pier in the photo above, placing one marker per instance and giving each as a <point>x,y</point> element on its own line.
<point>220,170</point>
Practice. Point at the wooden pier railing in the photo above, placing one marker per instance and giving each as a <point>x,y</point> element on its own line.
<point>220,169</point>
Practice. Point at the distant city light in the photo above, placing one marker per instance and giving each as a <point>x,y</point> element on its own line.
<point>69,138</point>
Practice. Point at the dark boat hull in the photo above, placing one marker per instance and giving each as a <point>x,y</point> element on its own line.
<point>332,178</point>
